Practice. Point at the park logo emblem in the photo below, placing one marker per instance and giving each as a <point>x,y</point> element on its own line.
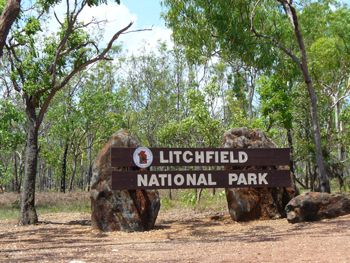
<point>143,157</point>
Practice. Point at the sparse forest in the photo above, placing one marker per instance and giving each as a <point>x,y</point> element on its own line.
<point>273,65</point>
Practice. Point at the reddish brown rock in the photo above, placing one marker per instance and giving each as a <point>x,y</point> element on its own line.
<point>246,204</point>
<point>314,206</point>
<point>114,210</point>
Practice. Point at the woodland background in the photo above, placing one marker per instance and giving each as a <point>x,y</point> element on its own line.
<point>214,77</point>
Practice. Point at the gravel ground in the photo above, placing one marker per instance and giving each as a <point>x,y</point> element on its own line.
<point>181,235</point>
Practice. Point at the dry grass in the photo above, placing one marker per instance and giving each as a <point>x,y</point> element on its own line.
<point>47,198</point>
<point>79,202</point>
<point>46,202</point>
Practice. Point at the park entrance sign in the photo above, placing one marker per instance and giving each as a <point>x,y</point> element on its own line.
<point>143,157</point>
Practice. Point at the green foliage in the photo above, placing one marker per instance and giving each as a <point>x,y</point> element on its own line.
<point>188,197</point>
<point>166,203</point>
<point>46,4</point>
<point>199,128</point>
<point>10,134</point>
<point>2,5</point>
<point>276,100</point>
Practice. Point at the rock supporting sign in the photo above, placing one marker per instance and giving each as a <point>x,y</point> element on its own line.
<point>126,209</point>
<point>248,203</point>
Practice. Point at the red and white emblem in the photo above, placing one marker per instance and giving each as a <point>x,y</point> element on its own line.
<point>143,157</point>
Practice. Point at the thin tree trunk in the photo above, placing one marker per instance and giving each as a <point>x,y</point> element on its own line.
<point>81,181</point>
<point>28,213</point>
<point>324,183</point>
<point>307,175</point>
<point>16,187</point>
<point>199,194</point>
<point>73,174</point>
<point>64,168</point>
<point>21,168</point>
<point>290,142</point>
<point>292,15</point>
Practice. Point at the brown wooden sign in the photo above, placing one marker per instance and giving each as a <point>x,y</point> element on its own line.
<point>199,179</point>
<point>143,157</point>
<point>199,157</point>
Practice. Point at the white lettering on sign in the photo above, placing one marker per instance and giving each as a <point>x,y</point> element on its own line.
<point>162,178</point>
<point>209,155</point>
<point>142,180</point>
<point>242,157</point>
<point>191,179</point>
<point>210,181</point>
<point>179,180</point>
<point>200,179</point>
<point>232,158</point>
<point>262,178</point>
<point>186,158</point>
<point>161,157</point>
<point>203,157</point>
<point>223,156</point>
<point>249,179</point>
<point>199,156</point>
<point>177,154</point>
<point>232,178</point>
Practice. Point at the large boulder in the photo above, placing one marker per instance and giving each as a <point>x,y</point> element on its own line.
<point>115,210</point>
<point>314,206</point>
<point>246,204</point>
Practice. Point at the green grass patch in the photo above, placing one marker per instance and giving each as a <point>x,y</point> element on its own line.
<point>186,198</point>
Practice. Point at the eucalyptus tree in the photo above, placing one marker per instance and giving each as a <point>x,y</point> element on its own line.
<point>330,59</point>
<point>41,65</point>
<point>255,32</point>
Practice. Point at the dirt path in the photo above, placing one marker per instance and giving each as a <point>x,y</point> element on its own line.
<point>180,236</point>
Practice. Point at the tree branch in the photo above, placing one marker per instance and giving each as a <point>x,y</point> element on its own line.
<point>101,56</point>
<point>278,44</point>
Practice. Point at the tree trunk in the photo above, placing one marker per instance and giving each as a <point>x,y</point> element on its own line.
<point>73,174</point>
<point>199,194</point>
<point>16,186</point>
<point>292,15</point>
<point>90,163</point>
<point>8,16</point>
<point>64,168</point>
<point>324,183</point>
<point>307,174</point>
<point>170,195</point>
<point>27,212</point>
<point>290,142</point>
<point>338,129</point>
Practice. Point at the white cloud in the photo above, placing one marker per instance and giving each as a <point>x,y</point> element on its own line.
<point>118,16</point>
<point>134,41</point>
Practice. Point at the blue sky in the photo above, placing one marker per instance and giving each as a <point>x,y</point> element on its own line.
<point>148,12</point>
